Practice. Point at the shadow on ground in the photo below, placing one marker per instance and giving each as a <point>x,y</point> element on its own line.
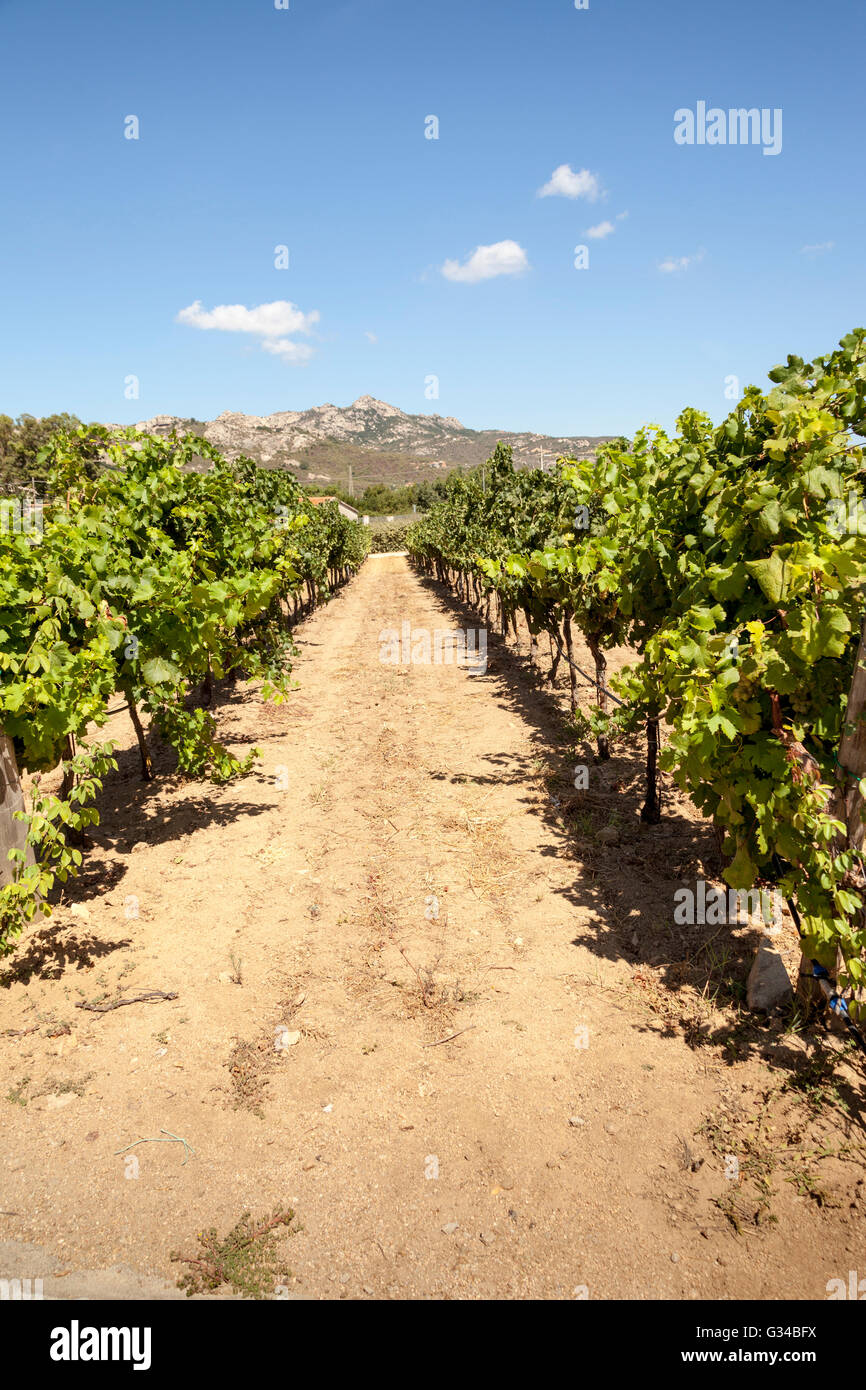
<point>686,980</point>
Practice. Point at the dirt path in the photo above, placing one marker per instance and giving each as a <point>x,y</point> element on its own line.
<point>398,870</point>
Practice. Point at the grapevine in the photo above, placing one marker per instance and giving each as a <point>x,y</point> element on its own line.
<point>717,554</point>
<point>160,567</point>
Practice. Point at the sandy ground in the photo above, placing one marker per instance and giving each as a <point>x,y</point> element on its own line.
<point>410,861</point>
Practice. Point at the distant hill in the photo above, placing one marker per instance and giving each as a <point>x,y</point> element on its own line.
<point>379,442</point>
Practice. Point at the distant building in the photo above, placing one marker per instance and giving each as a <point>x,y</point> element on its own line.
<point>343,507</point>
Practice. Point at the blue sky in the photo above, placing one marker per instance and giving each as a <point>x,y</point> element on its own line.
<point>306,128</point>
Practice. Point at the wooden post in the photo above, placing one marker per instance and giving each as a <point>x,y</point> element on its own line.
<point>600,660</point>
<point>651,811</point>
<point>569,648</point>
<point>555,657</point>
<point>68,783</point>
<point>206,696</point>
<point>141,736</point>
<point>533,642</point>
<point>13,833</point>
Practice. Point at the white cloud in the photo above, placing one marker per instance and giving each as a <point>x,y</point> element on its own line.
<point>486,262</point>
<point>601,230</point>
<point>266,321</point>
<point>676,263</point>
<point>371,337</point>
<point>818,246</point>
<point>621,216</point>
<point>271,323</point>
<point>287,350</point>
<point>565,183</point>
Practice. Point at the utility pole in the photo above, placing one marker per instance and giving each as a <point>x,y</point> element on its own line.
<point>351,483</point>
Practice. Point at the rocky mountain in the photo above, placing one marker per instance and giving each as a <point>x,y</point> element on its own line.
<point>378,441</point>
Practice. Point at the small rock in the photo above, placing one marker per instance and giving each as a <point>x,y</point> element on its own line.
<point>344,1278</point>
<point>486,1238</point>
<point>225,977</point>
<point>451,1227</point>
<point>576,1120</point>
<point>768,983</point>
<point>675,1259</point>
<point>79,910</point>
<point>608,835</point>
<point>611,1129</point>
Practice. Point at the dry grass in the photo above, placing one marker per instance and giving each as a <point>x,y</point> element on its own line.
<point>492,866</point>
<point>801,1131</point>
<point>249,1064</point>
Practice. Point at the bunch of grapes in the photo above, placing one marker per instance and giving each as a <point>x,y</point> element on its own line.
<point>746,688</point>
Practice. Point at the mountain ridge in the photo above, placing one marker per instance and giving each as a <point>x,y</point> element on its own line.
<point>377,440</point>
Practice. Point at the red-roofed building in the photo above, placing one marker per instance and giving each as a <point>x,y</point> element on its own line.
<point>345,510</point>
